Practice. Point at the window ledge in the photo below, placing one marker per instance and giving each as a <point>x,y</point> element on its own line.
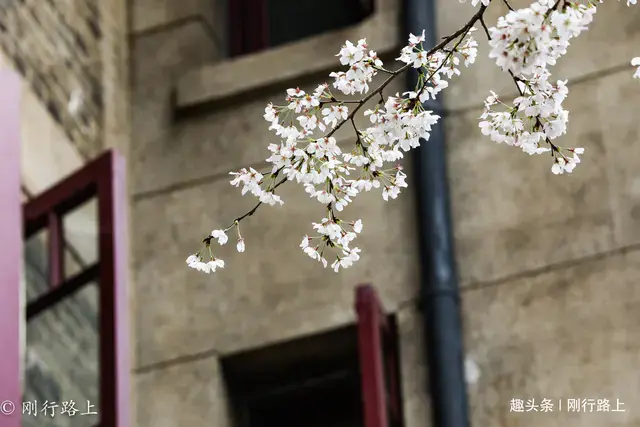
<point>216,83</point>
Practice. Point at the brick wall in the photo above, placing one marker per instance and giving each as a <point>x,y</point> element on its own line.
<point>55,44</point>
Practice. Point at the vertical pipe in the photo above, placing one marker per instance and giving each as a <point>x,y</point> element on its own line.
<point>439,293</point>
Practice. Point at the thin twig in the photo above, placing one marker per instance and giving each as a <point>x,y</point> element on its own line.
<point>508,5</point>
<point>393,74</point>
<point>484,26</point>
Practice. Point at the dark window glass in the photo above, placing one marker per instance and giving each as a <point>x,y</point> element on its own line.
<point>313,382</point>
<point>294,20</point>
<point>255,25</point>
<point>61,378</point>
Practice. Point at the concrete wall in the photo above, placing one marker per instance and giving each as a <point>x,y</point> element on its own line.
<point>549,263</point>
<point>272,292</point>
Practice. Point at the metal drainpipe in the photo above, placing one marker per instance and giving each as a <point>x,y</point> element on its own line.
<point>439,293</point>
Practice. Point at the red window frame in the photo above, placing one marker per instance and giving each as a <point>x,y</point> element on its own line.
<point>378,351</point>
<point>104,178</point>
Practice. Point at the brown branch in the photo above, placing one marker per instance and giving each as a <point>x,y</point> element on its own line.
<point>393,74</point>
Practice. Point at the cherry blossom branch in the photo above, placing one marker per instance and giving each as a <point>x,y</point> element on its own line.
<point>450,53</point>
<point>524,44</point>
<point>393,74</point>
<point>337,190</point>
<point>484,27</point>
<point>566,26</point>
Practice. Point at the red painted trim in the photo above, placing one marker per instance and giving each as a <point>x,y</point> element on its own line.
<point>104,178</point>
<point>371,358</point>
<point>57,294</point>
<point>11,240</point>
<point>56,250</point>
<point>378,347</point>
<point>65,196</point>
<point>114,303</point>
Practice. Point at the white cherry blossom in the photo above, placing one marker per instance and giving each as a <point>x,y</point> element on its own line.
<point>221,235</point>
<point>526,43</point>
<point>636,63</point>
<point>475,2</point>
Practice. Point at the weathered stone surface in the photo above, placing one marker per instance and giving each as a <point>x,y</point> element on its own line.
<point>618,103</point>
<point>185,394</point>
<point>158,60</point>
<point>512,214</point>
<point>214,144</point>
<point>610,42</point>
<point>570,333</point>
<point>47,155</point>
<point>150,14</point>
<point>307,56</point>
<point>286,293</point>
<point>54,47</point>
<point>413,367</point>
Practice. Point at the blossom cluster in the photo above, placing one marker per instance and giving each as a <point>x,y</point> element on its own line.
<point>436,65</point>
<point>524,43</point>
<point>309,154</point>
<point>527,39</point>
<point>533,121</point>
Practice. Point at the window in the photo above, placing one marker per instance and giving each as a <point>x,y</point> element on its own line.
<point>256,25</point>
<point>62,335</point>
<point>77,336</point>
<point>311,382</point>
<point>346,377</point>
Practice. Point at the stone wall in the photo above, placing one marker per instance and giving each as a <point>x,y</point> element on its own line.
<point>548,263</point>
<point>55,45</point>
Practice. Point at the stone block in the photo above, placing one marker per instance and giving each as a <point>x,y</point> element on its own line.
<point>271,292</point>
<point>413,368</point>
<point>617,98</point>
<point>569,333</point>
<point>512,214</point>
<point>150,14</point>
<point>190,393</point>
<point>209,145</point>
<point>158,59</point>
